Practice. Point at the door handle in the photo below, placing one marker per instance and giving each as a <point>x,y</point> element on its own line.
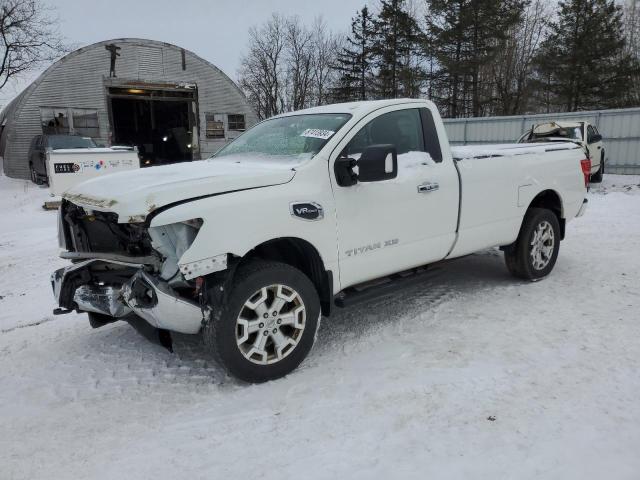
<point>428,187</point>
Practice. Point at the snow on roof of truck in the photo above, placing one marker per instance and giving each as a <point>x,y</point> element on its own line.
<point>355,108</point>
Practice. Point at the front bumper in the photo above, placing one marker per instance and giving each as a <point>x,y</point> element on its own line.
<point>89,286</point>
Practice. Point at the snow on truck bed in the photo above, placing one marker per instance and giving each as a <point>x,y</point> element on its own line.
<point>470,375</point>
<point>504,149</point>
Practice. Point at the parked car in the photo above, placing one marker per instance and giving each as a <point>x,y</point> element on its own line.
<point>305,212</point>
<point>583,133</point>
<point>38,152</point>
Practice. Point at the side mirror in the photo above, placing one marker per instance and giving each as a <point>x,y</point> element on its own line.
<point>343,168</point>
<point>377,163</point>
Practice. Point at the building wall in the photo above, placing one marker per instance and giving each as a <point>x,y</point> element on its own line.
<point>620,130</point>
<point>78,81</point>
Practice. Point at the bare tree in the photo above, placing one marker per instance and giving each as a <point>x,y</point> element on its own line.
<point>288,66</point>
<point>29,37</point>
<point>261,69</point>
<point>325,46</point>
<point>512,69</point>
<point>631,21</point>
<point>299,44</point>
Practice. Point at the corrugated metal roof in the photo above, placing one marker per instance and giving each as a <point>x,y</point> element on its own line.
<point>80,80</point>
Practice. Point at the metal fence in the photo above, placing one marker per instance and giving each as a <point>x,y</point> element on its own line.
<point>620,130</point>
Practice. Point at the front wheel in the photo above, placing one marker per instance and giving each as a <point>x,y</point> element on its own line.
<point>267,324</point>
<point>534,253</point>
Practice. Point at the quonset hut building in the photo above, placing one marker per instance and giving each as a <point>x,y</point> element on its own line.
<point>163,99</point>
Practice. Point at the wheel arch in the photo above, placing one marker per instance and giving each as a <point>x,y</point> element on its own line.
<point>551,200</point>
<point>301,254</point>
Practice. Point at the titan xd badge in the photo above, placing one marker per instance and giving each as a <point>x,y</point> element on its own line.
<point>306,210</point>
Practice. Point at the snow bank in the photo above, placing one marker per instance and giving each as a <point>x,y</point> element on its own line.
<point>470,375</point>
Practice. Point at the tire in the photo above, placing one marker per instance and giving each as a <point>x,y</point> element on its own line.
<point>34,175</point>
<point>255,348</point>
<point>35,178</point>
<point>597,177</point>
<point>521,258</point>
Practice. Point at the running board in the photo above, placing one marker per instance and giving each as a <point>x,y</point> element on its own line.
<point>385,286</point>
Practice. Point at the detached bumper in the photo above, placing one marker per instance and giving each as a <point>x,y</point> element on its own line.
<point>89,286</point>
<point>583,208</point>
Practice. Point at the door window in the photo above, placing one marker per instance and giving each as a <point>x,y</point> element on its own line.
<point>431,140</point>
<point>590,134</point>
<point>402,129</point>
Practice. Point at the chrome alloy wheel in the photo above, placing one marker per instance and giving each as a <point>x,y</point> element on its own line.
<point>270,324</point>
<point>542,245</point>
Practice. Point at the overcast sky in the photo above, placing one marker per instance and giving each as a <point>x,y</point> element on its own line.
<point>213,29</point>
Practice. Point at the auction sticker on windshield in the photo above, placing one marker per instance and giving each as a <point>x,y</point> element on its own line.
<point>317,133</point>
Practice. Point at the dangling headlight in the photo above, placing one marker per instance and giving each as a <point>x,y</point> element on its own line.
<point>171,241</point>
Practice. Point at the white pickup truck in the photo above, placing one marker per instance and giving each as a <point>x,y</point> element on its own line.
<point>582,133</point>
<point>304,212</point>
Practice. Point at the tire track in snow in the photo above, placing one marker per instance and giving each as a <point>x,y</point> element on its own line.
<point>27,325</point>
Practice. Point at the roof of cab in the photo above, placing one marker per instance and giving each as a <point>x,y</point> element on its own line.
<point>355,108</point>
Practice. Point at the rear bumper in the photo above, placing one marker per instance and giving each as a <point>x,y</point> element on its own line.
<point>90,286</point>
<point>583,208</point>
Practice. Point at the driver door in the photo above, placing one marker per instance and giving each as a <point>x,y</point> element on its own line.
<point>393,225</point>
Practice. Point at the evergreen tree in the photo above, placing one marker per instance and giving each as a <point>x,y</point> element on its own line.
<point>396,45</point>
<point>583,63</point>
<point>464,36</point>
<point>354,61</point>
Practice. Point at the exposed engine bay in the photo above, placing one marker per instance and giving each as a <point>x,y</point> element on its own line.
<point>121,269</point>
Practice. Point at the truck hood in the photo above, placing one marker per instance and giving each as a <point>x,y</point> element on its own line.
<point>136,193</point>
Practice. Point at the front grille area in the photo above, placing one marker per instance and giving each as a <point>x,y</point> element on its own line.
<point>100,232</point>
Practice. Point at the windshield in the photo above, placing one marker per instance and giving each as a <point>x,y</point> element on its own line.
<point>295,135</point>
<point>59,142</point>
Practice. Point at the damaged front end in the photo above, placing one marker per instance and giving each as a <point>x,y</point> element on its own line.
<point>127,270</point>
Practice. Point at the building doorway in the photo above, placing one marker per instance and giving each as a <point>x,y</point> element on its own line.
<point>161,123</point>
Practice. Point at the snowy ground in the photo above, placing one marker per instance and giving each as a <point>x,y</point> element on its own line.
<point>472,375</point>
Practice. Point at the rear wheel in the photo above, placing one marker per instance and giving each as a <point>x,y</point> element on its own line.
<point>534,253</point>
<point>267,324</point>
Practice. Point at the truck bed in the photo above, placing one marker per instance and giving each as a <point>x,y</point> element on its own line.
<point>498,182</point>
<point>508,149</point>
